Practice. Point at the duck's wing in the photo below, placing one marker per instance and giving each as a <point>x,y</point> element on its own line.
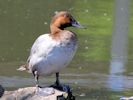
<point>41,40</point>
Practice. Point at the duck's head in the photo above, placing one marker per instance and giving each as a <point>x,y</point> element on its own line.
<point>64,19</point>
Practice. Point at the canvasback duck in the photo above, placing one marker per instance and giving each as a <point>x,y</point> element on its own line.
<point>54,51</point>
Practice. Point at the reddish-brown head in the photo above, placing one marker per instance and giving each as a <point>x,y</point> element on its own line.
<point>64,19</point>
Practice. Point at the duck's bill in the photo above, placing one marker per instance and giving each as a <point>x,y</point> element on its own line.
<point>76,24</point>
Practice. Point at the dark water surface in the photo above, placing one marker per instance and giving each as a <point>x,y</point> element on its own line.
<point>90,73</point>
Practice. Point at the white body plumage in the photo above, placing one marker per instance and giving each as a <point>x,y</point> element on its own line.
<point>49,55</point>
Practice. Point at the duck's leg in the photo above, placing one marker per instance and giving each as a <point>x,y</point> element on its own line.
<point>42,91</point>
<point>36,76</point>
<point>57,79</point>
<point>57,84</point>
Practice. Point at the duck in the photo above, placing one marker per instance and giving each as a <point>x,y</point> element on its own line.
<point>53,51</point>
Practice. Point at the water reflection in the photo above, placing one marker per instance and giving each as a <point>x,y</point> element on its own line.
<point>116,78</point>
<point>119,45</point>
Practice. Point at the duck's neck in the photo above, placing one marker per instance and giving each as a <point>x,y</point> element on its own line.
<point>55,29</point>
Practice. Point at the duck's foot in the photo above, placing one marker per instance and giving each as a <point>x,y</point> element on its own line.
<point>38,86</point>
<point>45,91</point>
<point>62,87</point>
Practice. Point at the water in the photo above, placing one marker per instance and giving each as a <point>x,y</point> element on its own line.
<point>90,72</point>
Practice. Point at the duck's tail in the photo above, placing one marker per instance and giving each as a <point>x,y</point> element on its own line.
<point>23,67</point>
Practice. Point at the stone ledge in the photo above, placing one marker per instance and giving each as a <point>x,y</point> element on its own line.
<point>29,93</point>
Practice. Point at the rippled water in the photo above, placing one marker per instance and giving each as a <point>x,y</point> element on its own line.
<point>90,73</point>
